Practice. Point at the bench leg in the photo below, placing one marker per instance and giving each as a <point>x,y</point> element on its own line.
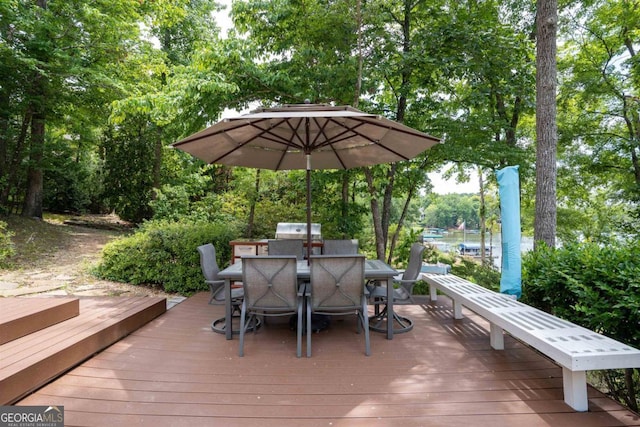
<point>433,293</point>
<point>457,310</point>
<point>496,337</point>
<point>575,389</point>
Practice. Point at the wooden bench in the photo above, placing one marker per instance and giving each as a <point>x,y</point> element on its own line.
<point>574,348</point>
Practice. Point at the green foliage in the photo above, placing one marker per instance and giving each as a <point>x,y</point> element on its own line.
<point>128,168</point>
<point>485,275</point>
<point>71,180</point>
<point>595,286</point>
<point>165,254</point>
<point>191,199</point>
<point>451,210</point>
<point>62,64</point>
<point>6,245</point>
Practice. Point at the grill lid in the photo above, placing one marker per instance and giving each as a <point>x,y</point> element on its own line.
<point>297,230</point>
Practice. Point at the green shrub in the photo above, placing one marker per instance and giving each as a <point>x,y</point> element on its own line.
<point>592,285</point>
<point>6,245</point>
<point>595,286</point>
<point>165,254</point>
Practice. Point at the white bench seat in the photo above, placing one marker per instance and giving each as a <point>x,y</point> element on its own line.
<point>574,348</point>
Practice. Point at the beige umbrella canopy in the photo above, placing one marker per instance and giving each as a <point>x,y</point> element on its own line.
<point>306,136</point>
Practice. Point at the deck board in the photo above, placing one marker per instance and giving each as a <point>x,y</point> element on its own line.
<point>175,371</point>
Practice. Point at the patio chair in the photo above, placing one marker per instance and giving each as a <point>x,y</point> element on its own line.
<point>337,288</point>
<point>402,294</point>
<point>340,247</point>
<point>209,266</point>
<point>286,247</point>
<point>271,289</point>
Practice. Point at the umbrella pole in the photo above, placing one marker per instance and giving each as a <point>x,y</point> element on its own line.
<point>308,208</point>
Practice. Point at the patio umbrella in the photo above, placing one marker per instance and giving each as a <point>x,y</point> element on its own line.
<point>306,136</point>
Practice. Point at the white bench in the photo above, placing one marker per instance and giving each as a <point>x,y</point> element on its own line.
<point>574,348</point>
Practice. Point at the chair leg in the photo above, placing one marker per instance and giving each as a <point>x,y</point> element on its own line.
<point>299,330</point>
<point>364,318</point>
<point>376,306</point>
<point>308,330</point>
<point>243,318</point>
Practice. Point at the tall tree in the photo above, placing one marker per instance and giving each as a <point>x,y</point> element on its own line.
<point>599,175</point>
<point>546,128</point>
<point>32,206</point>
<point>58,56</point>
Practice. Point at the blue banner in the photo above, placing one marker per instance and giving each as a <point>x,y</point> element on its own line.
<point>509,188</point>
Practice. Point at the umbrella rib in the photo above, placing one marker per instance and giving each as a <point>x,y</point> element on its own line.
<point>265,134</point>
<point>208,135</point>
<point>377,142</point>
<point>353,129</point>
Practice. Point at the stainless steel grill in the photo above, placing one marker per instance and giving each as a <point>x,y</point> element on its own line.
<point>297,230</point>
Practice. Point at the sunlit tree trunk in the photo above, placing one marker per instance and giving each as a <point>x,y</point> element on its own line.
<point>546,128</point>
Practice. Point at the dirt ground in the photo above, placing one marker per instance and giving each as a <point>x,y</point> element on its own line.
<point>64,267</point>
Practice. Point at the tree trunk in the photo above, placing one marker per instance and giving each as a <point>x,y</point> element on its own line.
<point>32,206</point>
<point>376,217</point>
<point>344,204</point>
<point>4,138</point>
<point>630,387</point>
<point>252,206</point>
<point>483,216</point>
<point>157,160</point>
<point>403,215</point>
<point>358,89</point>
<point>546,128</point>
<point>13,167</point>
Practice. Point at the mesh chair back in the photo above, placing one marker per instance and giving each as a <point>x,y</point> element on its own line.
<point>210,270</point>
<point>337,282</point>
<point>270,282</point>
<point>286,247</point>
<point>340,247</point>
<point>415,262</point>
<point>208,262</point>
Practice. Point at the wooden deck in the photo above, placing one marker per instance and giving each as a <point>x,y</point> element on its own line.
<point>32,360</point>
<point>176,372</point>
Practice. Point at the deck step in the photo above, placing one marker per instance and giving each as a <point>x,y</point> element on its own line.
<point>31,361</point>
<point>23,316</point>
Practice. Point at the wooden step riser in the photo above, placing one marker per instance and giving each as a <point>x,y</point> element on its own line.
<point>22,316</point>
<point>45,362</point>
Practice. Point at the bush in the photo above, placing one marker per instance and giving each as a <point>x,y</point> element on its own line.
<point>165,254</point>
<point>596,287</point>
<point>591,285</point>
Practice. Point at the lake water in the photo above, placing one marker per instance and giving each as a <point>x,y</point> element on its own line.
<point>449,243</point>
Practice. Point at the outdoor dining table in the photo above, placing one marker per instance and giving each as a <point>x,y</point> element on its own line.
<point>373,270</point>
